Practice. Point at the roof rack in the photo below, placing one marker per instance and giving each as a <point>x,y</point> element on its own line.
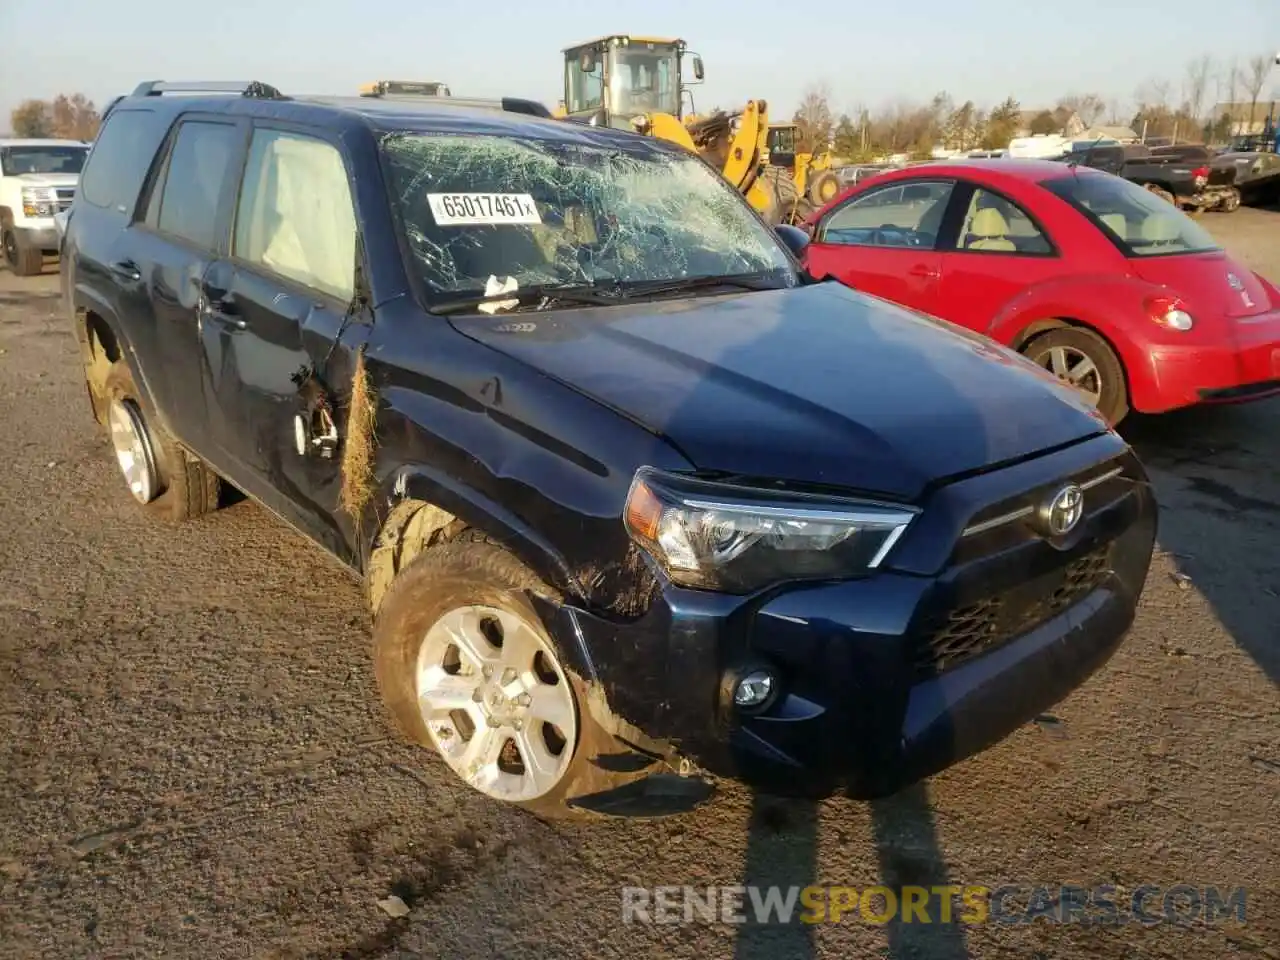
<point>253,89</point>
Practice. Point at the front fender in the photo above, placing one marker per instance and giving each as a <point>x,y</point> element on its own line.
<point>419,481</point>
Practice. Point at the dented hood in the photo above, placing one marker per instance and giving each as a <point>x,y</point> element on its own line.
<point>816,384</point>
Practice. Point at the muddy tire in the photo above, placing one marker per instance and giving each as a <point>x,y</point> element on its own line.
<point>1231,202</point>
<point>823,189</point>
<point>162,475</point>
<point>22,260</point>
<point>1160,192</point>
<point>784,199</point>
<point>466,668</point>
<point>1083,359</point>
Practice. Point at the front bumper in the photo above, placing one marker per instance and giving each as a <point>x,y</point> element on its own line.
<point>1246,369</point>
<point>889,679</point>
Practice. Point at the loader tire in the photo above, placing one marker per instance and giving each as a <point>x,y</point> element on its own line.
<point>784,198</point>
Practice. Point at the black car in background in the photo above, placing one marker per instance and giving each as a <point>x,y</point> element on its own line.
<point>637,503</point>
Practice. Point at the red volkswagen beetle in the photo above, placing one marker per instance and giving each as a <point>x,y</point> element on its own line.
<point>1099,281</point>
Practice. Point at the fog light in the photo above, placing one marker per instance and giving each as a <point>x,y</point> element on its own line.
<point>753,690</point>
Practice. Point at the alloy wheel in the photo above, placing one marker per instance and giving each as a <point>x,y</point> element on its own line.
<point>132,446</point>
<point>496,702</point>
<point>1074,367</point>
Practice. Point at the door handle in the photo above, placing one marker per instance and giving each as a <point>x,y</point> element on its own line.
<point>927,273</point>
<point>225,309</point>
<point>126,269</point>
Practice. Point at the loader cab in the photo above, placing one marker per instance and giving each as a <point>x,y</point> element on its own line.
<point>610,80</point>
<point>781,145</point>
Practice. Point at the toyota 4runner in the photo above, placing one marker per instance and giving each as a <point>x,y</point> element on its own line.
<point>637,503</point>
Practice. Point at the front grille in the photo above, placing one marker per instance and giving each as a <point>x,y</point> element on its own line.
<point>980,627</point>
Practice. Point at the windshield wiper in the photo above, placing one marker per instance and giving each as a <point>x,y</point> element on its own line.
<point>743,281</point>
<point>539,294</point>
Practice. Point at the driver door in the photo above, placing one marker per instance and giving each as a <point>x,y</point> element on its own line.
<point>884,242</point>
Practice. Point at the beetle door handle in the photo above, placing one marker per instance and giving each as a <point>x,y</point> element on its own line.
<point>928,273</point>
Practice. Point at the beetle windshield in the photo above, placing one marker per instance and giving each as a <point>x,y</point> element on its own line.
<point>1140,223</point>
<point>536,212</point>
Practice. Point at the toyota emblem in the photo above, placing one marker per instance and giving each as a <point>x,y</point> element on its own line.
<point>1063,510</point>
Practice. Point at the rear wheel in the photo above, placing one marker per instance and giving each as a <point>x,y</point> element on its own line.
<point>1084,360</point>
<point>158,472</point>
<point>823,188</point>
<point>1160,192</point>
<point>1231,202</point>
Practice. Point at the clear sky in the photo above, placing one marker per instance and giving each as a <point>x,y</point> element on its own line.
<point>867,52</point>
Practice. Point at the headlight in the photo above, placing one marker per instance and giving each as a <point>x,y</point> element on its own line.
<point>737,539</point>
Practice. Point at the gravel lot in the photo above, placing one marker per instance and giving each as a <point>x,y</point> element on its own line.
<point>194,761</point>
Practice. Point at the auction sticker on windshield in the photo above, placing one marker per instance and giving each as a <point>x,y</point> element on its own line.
<point>472,209</point>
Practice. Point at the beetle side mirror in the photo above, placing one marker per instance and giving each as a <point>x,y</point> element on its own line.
<point>793,238</point>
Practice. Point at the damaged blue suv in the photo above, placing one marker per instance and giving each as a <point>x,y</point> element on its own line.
<point>637,504</point>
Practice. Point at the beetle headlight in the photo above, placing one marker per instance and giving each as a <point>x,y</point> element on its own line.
<point>737,539</point>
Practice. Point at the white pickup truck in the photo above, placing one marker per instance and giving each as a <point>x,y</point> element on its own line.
<point>38,180</point>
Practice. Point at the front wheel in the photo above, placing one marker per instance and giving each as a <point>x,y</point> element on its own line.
<point>466,667</point>
<point>1231,202</point>
<point>1084,360</point>
<point>22,260</point>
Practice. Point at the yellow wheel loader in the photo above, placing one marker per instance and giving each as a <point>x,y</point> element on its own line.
<point>815,181</point>
<point>637,83</point>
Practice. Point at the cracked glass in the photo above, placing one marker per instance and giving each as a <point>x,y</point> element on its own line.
<point>605,214</point>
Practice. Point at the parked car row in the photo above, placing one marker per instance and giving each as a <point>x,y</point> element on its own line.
<point>638,502</point>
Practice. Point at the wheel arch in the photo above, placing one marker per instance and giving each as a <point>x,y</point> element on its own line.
<point>95,322</point>
<point>417,507</point>
<point>1042,326</point>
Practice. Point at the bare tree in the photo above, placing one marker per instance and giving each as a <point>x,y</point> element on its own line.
<point>1087,106</point>
<point>815,119</point>
<point>31,119</point>
<point>1253,77</point>
<point>1198,72</point>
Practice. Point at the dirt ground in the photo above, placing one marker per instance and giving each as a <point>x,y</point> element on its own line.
<point>194,762</point>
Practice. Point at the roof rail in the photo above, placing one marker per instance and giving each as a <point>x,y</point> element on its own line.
<point>246,88</point>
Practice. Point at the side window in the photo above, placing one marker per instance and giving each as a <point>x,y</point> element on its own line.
<point>295,215</point>
<point>197,172</point>
<point>120,159</point>
<point>994,224</point>
<point>896,215</point>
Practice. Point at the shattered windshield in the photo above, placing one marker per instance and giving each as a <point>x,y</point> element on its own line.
<point>482,210</point>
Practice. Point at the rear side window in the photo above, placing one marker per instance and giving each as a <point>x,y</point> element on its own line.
<point>120,159</point>
<point>197,174</point>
